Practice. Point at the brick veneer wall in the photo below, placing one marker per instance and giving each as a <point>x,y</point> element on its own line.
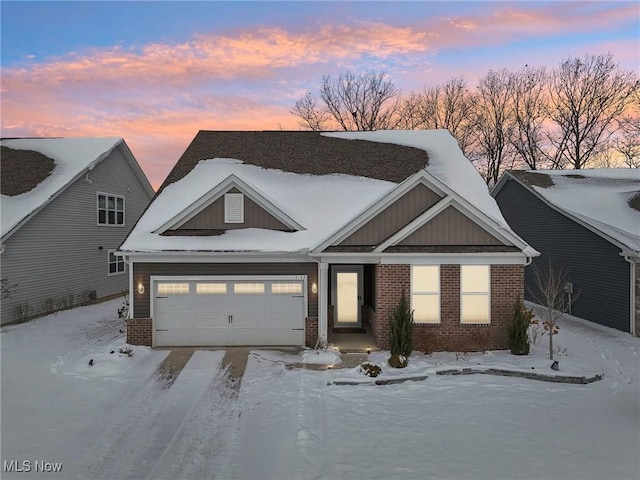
<point>139,331</point>
<point>310,331</point>
<point>507,284</point>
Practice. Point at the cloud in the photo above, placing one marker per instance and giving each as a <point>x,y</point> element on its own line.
<point>157,96</point>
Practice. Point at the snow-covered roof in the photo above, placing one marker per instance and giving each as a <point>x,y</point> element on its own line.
<point>72,157</point>
<point>321,203</point>
<point>599,198</point>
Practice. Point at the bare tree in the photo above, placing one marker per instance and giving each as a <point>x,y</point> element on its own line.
<point>550,292</point>
<point>311,116</point>
<point>627,142</point>
<point>351,102</point>
<point>443,106</point>
<point>530,113</point>
<point>588,94</point>
<point>494,123</point>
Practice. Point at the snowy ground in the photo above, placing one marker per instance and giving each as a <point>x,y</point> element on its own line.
<point>120,419</point>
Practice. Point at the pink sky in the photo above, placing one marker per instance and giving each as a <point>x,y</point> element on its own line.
<point>157,94</point>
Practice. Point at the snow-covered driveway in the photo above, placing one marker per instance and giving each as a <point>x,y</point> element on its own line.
<point>116,419</point>
<point>120,419</point>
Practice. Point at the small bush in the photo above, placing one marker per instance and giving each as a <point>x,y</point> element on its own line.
<point>23,311</point>
<point>370,369</point>
<point>126,350</point>
<point>398,361</point>
<point>518,330</point>
<point>401,325</point>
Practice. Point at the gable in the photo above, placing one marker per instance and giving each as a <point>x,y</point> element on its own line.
<point>212,217</point>
<point>450,227</point>
<point>405,209</point>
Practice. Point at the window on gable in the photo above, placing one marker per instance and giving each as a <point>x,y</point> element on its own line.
<point>475,295</point>
<point>116,263</point>
<point>425,293</point>
<point>233,208</point>
<point>110,209</point>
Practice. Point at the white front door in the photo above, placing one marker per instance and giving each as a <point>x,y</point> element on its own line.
<point>347,295</point>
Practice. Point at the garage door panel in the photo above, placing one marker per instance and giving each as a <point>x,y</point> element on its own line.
<point>220,312</point>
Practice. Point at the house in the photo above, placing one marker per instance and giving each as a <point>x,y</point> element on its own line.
<point>281,238</point>
<point>586,223</point>
<point>66,205</point>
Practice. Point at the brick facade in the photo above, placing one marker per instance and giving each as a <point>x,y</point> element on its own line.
<point>310,331</point>
<point>507,284</point>
<point>139,331</point>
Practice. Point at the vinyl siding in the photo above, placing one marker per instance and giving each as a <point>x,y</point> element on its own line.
<point>143,271</point>
<point>212,217</point>
<point>593,264</point>
<point>57,252</point>
<point>450,227</point>
<point>408,207</point>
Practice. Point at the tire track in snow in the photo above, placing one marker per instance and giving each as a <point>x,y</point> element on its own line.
<point>199,447</point>
<point>133,441</point>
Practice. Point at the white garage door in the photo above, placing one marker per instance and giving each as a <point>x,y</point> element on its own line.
<point>216,311</point>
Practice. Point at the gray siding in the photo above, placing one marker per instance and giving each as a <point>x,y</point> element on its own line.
<point>212,217</point>
<point>411,205</point>
<point>594,265</point>
<point>58,252</point>
<point>143,271</point>
<point>450,227</point>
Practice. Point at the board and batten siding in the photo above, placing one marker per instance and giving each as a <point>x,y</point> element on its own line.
<point>212,217</point>
<point>593,265</point>
<point>62,250</point>
<point>407,208</point>
<point>143,271</point>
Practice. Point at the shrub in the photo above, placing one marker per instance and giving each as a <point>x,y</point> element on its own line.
<point>401,325</point>
<point>518,330</point>
<point>370,369</point>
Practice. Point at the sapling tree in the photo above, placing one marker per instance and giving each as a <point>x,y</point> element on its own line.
<point>401,324</point>
<point>551,294</point>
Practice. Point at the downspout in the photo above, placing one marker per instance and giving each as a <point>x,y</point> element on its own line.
<point>632,295</point>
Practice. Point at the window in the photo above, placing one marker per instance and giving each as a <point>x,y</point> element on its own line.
<point>173,289</point>
<point>475,293</point>
<point>248,288</point>
<point>110,209</point>
<point>210,288</point>
<point>233,208</point>
<point>425,293</point>
<point>284,288</point>
<point>116,263</point>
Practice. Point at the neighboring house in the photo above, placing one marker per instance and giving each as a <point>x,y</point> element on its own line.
<point>281,238</point>
<point>586,223</point>
<point>66,206</point>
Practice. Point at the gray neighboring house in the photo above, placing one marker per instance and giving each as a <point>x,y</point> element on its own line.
<point>587,222</point>
<point>66,204</point>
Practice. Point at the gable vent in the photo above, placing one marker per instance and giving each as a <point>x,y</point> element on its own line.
<point>233,208</point>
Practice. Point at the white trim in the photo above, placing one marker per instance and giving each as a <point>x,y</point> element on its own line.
<point>489,258</point>
<point>414,225</point>
<point>359,271</point>
<point>232,181</point>
<point>114,251</point>
<point>323,300</point>
<point>217,257</point>
<point>131,291</point>
<point>377,207</point>
<point>632,295</point>
<point>106,209</point>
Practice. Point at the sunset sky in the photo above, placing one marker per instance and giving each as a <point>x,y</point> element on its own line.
<point>157,72</point>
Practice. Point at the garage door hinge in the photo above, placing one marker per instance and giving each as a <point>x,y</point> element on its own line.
<point>297,329</point>
<point>162,329</point>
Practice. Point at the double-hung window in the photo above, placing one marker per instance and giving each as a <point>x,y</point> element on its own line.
<point>116,263</point>
<point>425,293</point>
<point>110,209</point>
<point>475,294</point>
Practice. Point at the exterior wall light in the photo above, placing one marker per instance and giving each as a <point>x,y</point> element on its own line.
<point>140,288</point>
<point>314,288</point>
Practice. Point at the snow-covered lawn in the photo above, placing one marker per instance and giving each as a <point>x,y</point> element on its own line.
<point>120,419</point>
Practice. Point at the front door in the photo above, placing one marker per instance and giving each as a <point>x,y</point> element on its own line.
<point>347,295</point>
